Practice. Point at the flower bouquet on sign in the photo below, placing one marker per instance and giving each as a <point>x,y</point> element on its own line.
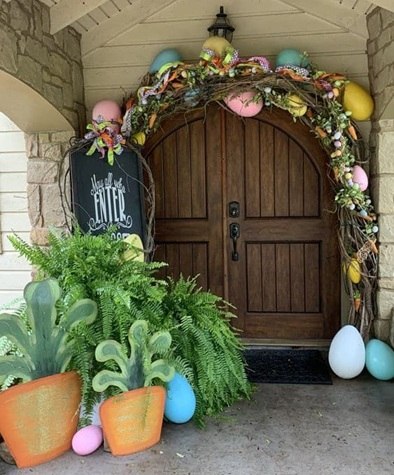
<point>40,415</point>
<point>132,420</point>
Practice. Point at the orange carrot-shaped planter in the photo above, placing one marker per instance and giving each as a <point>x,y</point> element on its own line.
<point>132,421</point>
<point>39,417</point>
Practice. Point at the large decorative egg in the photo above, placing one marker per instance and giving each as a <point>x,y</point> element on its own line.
<point>217,44</point>
<point>292,57</point>
<point>354,271</point>
<point>108,110</point>
<point>87,440</point>
<point>296,106</point>
<point>243,104</point>
<point>379,359</point>
<point>169,55</point>
<point>357,100</point>
<point>181,400</point>
<point>346,355</point>
<point>359,176</point>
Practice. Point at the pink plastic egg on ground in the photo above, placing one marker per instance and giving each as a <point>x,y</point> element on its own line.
<point>87,440</point>
<point>243,104</point>
<point>360,177</point>
<point>109,111</point>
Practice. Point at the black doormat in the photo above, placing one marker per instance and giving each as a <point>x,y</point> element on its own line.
<point>287,366</point>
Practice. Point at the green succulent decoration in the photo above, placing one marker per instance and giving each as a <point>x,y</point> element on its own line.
<point>45,347</point>
<point>138,370</point>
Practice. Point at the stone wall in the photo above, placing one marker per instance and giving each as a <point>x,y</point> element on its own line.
<point>50,64</point>
<point>48,197</point>
<point>381,66</point>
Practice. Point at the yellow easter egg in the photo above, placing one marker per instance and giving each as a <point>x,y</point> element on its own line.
<point>354,271</point>
<point>297,106</point>
<point>139,138</point>
<point>358,101</point>
<point>217,44</point>
<point>136,251</point>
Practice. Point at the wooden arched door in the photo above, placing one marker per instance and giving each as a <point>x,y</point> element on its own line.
<point>246,204</point>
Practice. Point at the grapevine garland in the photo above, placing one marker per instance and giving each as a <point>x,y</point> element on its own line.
<point>181,87</point>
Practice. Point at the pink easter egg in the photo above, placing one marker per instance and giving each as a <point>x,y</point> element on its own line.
<point>87,440</point>
<point>243,104</point>
<point>360,177</point>
<point>109,111</point>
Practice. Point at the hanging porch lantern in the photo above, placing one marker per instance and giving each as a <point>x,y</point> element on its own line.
<point>221,27</point>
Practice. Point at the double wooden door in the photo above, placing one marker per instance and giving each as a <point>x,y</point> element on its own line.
<point>246,204</point>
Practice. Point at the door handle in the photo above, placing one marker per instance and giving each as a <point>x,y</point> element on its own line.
<point>235,232</point>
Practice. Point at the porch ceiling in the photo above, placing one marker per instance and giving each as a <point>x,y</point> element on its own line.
<point>86,16</point>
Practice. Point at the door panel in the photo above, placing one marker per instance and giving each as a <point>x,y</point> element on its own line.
<point>285,282</point>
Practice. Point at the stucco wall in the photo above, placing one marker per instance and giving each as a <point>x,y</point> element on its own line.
<point>381,62</point>
<point>50,64</point>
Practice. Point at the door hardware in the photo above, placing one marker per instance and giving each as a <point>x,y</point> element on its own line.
<point>235,232</point>
<point>233,209</point>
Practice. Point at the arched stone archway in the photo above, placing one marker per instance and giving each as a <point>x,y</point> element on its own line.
<point>29,110</point>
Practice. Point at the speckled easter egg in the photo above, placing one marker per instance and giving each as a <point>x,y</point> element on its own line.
<point>243,104</point>
<point>358,101</point>
<point>359,176</point>
<point>169,55</point>
<point>291,57</point>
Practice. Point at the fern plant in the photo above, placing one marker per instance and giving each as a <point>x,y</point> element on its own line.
<point>45,349</point>
<point>137,370</point>
<point>203,336</point>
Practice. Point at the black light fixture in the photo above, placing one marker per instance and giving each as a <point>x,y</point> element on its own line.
<point>221,27</point>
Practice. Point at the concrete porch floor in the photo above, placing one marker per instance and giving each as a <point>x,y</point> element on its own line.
<point>343,429</point>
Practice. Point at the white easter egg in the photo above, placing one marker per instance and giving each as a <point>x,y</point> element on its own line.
<point>347,353</point>
<point>87,440</point>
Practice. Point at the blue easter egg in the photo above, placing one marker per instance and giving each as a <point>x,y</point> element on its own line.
<point>169,55</point>
<point>379,359</point>
<point>181,400</point>
<point>293,57</point>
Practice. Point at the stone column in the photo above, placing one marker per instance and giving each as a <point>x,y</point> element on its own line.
<point>381,70</point>
<point>48,197</point>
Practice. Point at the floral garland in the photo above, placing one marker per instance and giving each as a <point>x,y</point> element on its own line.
<point>309,95</point>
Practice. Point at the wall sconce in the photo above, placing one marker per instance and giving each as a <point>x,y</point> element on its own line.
<point>221,27</point>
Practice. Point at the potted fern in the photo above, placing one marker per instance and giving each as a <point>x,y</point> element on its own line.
<point>132,420</point>
<point>39,416</point>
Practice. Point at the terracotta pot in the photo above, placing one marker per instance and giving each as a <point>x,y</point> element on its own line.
<point>39,418</point>
<point>132,421</point>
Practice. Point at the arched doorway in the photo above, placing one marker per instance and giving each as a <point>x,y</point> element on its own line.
<point>246,204</point>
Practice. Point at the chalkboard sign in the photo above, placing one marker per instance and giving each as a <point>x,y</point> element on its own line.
<point>104,195</point>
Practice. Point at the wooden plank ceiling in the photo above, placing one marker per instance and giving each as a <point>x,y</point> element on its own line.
<point>119,38</point>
